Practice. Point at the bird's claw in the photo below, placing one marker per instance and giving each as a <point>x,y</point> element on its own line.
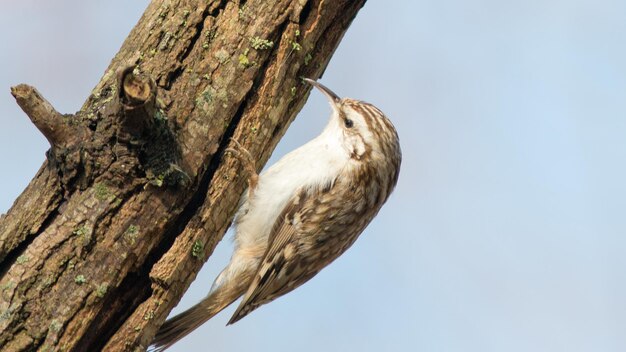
<point>246,160</point>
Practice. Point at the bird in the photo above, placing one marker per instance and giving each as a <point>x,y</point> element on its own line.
<point>302,213</point>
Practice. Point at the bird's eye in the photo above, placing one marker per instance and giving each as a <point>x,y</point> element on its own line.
<point>348,123</point>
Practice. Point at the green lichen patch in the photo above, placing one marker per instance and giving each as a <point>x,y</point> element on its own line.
<point>222,56</point>
<point>244,60</point>
<point>102,290</point>
<point>242,10</point>
<point>102,192</point>
<point>47,281</point>
<point>261,44</point>
<point>158,180</point>
<point>210,33</point>
<point>163,11</point>
<point>22,259</point>
<point>80,279</point>
<point>149,315</point>
<point>116,202</point>
<point>82,231</point>
<point>8,286</point>
<point>167,41</point>
<point>296,46</point>
<point>132,230</point>
<point>131,233</point>
<point>160,116</point>
<point>307,59</point>
<point>6,315</point>
<point>197,250</point>
<point>172,175</point>
<point>206,96</point>
<point>55,325</point>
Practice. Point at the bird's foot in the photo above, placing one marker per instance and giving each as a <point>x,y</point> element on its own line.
<point>247,162</point>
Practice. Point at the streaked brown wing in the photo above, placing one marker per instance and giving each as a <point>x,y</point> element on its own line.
<point>271,278</point>
<point>299,248</point>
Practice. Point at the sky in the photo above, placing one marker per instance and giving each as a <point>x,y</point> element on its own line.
<point>506,231</point>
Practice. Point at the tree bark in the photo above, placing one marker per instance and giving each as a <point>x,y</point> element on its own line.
<point>136,192</point>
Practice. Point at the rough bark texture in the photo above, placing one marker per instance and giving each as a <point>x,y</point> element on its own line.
<point>135,192</point>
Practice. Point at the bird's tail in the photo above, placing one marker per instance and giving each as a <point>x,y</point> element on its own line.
<point>220,297</point>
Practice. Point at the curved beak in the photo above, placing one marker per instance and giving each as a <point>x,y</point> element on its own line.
<point>334,98</point>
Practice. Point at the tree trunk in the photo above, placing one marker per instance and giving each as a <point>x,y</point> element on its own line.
<point>136,190</point>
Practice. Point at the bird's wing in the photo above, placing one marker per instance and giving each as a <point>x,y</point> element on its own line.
<point>297,250</point>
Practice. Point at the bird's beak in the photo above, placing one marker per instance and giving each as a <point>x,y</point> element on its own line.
<point>334,98</point>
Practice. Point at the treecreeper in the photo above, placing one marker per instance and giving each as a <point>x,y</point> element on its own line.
<point>302,213</point>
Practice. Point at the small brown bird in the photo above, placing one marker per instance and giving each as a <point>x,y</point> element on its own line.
<point>302,213</point>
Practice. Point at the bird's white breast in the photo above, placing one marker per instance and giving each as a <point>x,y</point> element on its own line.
<point>314,164</point>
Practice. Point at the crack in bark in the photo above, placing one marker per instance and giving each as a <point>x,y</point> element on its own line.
<point>199,27</point>
<point>199,197</point>
<point>93,338</point>
<point>15,253</point>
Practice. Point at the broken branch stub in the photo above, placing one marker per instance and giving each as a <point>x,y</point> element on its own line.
<point>137,95</point>
<point>42,114</point>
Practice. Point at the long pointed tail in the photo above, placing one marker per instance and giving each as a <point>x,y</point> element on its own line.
<point>181,325</point>
<point>184,323</point>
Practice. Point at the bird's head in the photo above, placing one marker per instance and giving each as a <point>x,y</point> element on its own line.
<point>364,131</point>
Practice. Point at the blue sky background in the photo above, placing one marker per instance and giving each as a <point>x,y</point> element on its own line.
<point>507,229</point>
